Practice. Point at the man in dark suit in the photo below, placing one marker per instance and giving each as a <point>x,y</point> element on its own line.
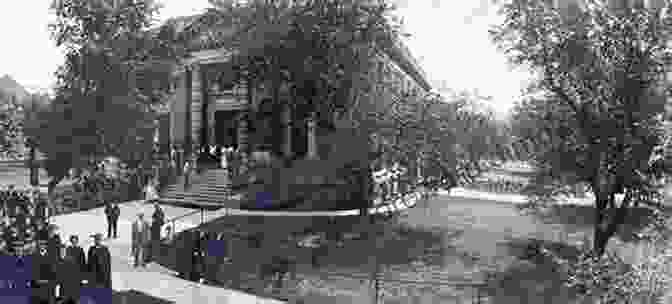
<point>112,212</point>
<point>158,220</point>
<point>22,279</point>
<point>184,254</point>
<point>44,277</point>
<point>55,245</point>
<point>99,263</point>
<point>4,201</point>
<point>75,268</point>
<point>199,256</point>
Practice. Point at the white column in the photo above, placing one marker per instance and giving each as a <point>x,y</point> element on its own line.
<point>312,140</point>
<point>211,122</point>
<point>287,120</point>
<point>419,167</point>
<point>243,140</point>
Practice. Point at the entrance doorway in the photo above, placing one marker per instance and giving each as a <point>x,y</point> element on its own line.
<point>299,133</point>
<point>226,129</point>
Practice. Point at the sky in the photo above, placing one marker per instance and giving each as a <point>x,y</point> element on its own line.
<point>449,39</point>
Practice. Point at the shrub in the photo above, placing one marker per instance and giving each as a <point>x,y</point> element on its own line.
<point>612,280</point>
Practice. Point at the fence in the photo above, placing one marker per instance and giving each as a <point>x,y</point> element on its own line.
<point>299,282</point>
<point>316,286</point>
<point>382,289</point>
<point>497,186</point>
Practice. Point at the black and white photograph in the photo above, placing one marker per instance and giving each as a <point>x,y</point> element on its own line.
<point>336,152</point>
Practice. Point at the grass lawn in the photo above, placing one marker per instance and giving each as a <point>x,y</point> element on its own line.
<point>449,239</point>
<point>19,176</point>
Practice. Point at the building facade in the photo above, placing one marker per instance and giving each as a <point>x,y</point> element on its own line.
<point>209,107</point>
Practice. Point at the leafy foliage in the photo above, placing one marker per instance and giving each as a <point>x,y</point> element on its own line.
<point>613,280</point>
<point>10,126</point>
<point>326,56</point>
<point>596,116</point>
<point>320,48</point>
<point>115,76</point>
<point>456,141</point>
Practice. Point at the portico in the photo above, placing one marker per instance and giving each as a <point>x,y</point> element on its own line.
<point>213,104</point>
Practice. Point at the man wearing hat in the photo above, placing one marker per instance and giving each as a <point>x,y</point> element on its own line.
<point>99,263</point>
<point>44,276</point>
<point>140,240</point>
<point>75,266</point>
<point>54,244</point>
<point>112,213</point>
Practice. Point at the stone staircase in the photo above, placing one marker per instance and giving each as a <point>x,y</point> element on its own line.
<point>211,188</point>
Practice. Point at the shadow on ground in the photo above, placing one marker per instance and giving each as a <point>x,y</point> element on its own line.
<point>403,248</point>
<point>136,297</point>
<point>582,218</point>
<point>533,277</point>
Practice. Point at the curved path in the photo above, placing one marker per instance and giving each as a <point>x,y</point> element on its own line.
<point>161,282</point>
<point>153,280</point>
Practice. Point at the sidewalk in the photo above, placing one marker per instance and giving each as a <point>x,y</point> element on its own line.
<point>153,280</point>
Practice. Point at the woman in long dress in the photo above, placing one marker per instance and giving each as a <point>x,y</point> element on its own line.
<point>150,191</point>
<point>224,161</point>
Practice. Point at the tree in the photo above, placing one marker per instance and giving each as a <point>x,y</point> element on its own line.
<point>34,106</point>
<point>116,74</point>
<point>457,139</point>
<point>328,53</point>
<point>596,118</point>
<point>319,48</point>
<point>10,126</point>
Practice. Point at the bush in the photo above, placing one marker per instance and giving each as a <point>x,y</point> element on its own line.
<point>612,280</point>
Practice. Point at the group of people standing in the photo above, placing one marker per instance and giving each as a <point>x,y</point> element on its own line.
<point>146,237</point>
<point>226,158</point>
<point>199,255</point>
<point>37,275</point>
<point>24,219</point>
<point>222,157</point>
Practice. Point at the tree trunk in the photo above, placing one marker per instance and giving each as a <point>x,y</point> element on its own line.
<point>601,235</point>
<point>53,183</point>
<point>607,221</point>
<point>365,197</point>
<point>601,238</point>
<point>34,170</point>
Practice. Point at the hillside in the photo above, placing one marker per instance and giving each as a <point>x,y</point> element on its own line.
<point>9,86</point>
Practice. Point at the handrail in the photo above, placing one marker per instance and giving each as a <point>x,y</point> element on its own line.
<point>171,223</point>
<point>381,277</point>
<point>183,215</point>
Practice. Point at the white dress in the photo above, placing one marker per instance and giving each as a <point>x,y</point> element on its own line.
<point>150,193</point>
<point>223,160</point>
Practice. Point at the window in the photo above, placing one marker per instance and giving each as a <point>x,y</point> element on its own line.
<point>227,86</point>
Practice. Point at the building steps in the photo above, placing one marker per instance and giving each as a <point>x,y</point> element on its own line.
<point>210,188</point>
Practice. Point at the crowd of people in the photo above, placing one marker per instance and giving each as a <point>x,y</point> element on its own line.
<point>24,219</point>
<point>224,157</point>
<point>56,272</point>
<point>35,261</point>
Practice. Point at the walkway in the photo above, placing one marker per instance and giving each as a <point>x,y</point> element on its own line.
<point>155,280</point>
<point>160,282</point>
